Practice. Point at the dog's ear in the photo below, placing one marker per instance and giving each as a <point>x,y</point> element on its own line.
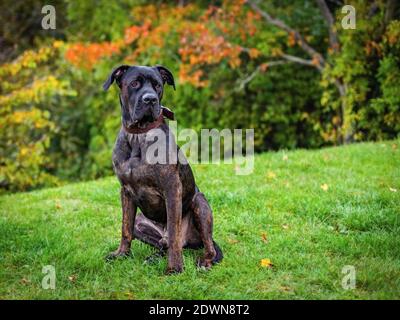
<point>116,75</point>
<point>166,75</point>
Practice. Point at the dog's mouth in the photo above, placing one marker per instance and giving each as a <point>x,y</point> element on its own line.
<point>148,118</point>
<point>148,122</point>
<point>142,122</point>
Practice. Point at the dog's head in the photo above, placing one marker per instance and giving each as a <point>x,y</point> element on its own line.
<point>141,91</point>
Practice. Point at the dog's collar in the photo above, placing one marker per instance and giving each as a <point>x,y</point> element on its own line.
<point>165,112</point>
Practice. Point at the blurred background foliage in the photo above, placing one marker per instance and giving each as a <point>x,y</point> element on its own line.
<point>232,66</point>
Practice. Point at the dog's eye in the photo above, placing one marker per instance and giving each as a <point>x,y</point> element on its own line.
<point>158,86</point>
<point>135,84</point>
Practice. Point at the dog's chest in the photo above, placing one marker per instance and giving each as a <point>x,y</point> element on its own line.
<point>144,174</point>
<point>146,178</point>
<point>147,190</point>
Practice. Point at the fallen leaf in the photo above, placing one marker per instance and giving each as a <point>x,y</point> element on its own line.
<point>264,237</point>
<point>324,187</point>
<point>58,205</point>
<point>266,263</point>
<point>285,157</point>
<point>233,241</point>
<point>25,281</point>
<point>392,189</point>
<point>285,288</point>
<point>394,146</point>
<point>271,175</point>
<point>72,278</point>
<point>285,226</point>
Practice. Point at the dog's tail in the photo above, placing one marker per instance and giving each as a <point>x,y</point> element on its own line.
<point>219,255</point>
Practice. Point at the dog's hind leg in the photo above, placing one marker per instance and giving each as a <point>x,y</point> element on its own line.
<point>204,223</point>
<point>152,233</point>
<point>149,232</point>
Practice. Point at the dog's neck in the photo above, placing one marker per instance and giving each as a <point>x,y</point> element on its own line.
<point>165,112</point>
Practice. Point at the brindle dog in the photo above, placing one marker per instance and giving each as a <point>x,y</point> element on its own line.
<point>175,214</point>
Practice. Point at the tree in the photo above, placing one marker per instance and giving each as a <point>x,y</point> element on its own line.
<point>322,62</point>
<point>26,127</point>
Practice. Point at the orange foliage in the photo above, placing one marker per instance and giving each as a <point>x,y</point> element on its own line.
<point>135,32</point>
<point>86,55</point>
<point>204,40</point>
<point>207,41</point>
<point>315,61</point>
<point>291,39</point>
<point>264,67</point>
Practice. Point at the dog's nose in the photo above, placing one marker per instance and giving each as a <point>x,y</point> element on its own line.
<point>149,98</point>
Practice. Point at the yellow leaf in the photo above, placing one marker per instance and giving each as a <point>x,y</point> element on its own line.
<point>393,189</point>
<point>324,187</point>
<point>285,226</point>
<point>130,295</point>
<point>57,44</point>
<point>285,157</point>
<point>275,52</point>
<point>271,175</point>
<point>264,237</point>
<point>266,263</point>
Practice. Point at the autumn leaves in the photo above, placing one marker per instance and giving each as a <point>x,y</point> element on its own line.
<point>197,38</point>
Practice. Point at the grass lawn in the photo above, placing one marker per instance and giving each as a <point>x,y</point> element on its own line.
<point>310,212</point>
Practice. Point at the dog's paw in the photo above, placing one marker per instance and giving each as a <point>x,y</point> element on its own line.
<point>174,270</point>
<point>117,254</point>
<point>204,264</point>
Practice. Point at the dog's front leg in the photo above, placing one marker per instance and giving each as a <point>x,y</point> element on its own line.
<point>174,226</point>
<point>128,222</point>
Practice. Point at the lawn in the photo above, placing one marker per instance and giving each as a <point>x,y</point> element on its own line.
<point>309,212</point>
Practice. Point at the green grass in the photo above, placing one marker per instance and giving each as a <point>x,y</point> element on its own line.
<point>311,233</point>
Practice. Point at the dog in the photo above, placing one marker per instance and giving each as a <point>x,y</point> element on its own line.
<point>174,213</point>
